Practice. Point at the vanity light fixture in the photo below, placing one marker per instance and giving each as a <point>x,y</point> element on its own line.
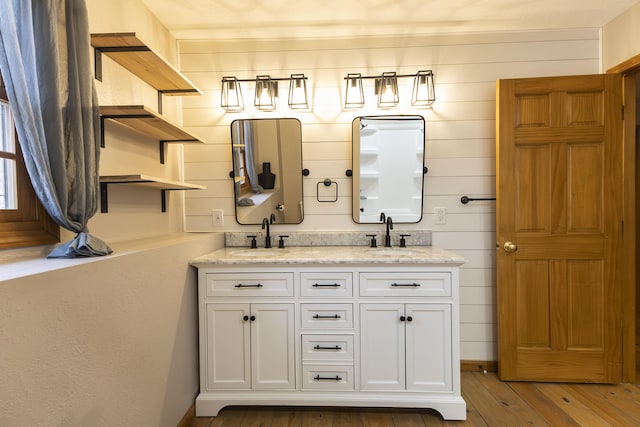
<point>386,89</point>
<point>298,92</point>
<point>231,98</point>
<point>423,89</point>
<point>354,96</point>
<point>266,92</point>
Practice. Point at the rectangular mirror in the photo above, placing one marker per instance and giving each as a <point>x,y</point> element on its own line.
<point>388,168</point>
<point>267,170</point>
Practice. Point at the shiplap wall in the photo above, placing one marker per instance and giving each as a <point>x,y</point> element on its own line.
<point>460,133</point>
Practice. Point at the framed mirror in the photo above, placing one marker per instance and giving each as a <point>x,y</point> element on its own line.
<point>388,168</point>
<point>267,170</point>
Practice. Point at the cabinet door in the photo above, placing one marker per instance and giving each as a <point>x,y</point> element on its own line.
<point>382,344</point>
<point>272,338</point>
<point>428,340</point>
<point>228,337</point>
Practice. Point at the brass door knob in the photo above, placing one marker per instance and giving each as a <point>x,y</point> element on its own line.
<point>510,247</point>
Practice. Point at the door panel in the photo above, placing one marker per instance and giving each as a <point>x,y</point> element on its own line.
<point>272,338</point>
<point>227,346</point>
<point>428,355</point>
<point>382,347</point>
<point>559,201</point>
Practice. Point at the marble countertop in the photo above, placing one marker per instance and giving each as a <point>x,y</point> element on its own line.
<point>329,255</point>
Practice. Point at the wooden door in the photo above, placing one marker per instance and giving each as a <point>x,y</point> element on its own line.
<point>272,340</point>
<point>559,228</point>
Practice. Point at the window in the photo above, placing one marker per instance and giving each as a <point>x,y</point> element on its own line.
<point>23,220</point>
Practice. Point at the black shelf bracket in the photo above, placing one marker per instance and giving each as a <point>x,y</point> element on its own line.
<point>163,142</point>
<point>97,55</point>
<point>104,196</point>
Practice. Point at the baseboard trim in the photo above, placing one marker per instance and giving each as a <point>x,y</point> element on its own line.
<point>188,417</point>
<point>478,365</point>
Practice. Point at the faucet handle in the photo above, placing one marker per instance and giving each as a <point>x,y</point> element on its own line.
<point>403,241</point>
<point>281,242</point>
<point>254,244</point>
<point>374,243</point>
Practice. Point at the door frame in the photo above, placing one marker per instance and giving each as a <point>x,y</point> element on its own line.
<point>629,69</point>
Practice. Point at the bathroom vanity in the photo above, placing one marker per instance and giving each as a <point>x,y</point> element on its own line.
<point>330,326</point>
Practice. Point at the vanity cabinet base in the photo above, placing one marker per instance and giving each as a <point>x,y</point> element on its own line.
<point>450,407</point>
<point>330,335</point>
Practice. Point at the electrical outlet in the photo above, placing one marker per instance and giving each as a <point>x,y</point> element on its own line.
<point>218,217</point>
<point>441,215</point>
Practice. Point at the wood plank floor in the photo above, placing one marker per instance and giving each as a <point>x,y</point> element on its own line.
<point>490,402</point>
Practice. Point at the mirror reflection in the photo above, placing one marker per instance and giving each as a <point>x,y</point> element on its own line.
<point>267,170</point>
<point>388,168</point>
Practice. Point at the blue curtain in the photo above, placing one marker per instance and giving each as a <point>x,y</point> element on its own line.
<point>45,62</point>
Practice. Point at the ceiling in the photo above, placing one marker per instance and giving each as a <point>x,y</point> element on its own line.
<point>249,19</point>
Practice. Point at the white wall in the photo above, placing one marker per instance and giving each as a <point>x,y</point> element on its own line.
<point>135,212</point>
<point>621,38</point>
<point>110,341</point>
<point>107,342</point>
<point>460,151</point>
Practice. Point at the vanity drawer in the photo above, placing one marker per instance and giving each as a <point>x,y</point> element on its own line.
<point>326,316</point>
<point>324,348</point>
<point>334,284</point>
<point>249,285</point>
<point>428,284</point>
<point>334,377</point>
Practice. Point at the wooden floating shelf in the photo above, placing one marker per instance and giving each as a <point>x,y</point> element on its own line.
<point>148,122</point>
<point>133,54</point>
<point>142,180</point>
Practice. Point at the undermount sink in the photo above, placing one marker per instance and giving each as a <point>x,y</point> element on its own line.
<point>259,252</point>
<point>391,251</point>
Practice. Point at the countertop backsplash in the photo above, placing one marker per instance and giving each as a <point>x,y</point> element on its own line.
<point>327,238</point>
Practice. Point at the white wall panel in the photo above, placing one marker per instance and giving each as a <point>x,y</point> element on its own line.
<point>460,134</point>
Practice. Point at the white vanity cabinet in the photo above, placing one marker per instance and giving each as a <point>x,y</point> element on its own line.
<point>329,334</point>
<point>405,347</point>
<point>406,330</point>
<point>249,346</point>
<point>247,338</point>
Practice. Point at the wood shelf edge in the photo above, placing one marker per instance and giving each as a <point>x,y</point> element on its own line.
<point>127,115</point>
<point>124,48</point>
<point>149,181</point>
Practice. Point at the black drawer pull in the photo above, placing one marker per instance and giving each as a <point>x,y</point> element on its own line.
<point>240,285</point>
<point>412,285</point>
<point>328,285</point>
<point>333,316</point>
<point>252,318</point>
<point>319,347</point>
<point>319,378</point>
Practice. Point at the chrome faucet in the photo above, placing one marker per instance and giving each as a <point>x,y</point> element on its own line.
<point>389,222</point>
<point>265,225</point>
